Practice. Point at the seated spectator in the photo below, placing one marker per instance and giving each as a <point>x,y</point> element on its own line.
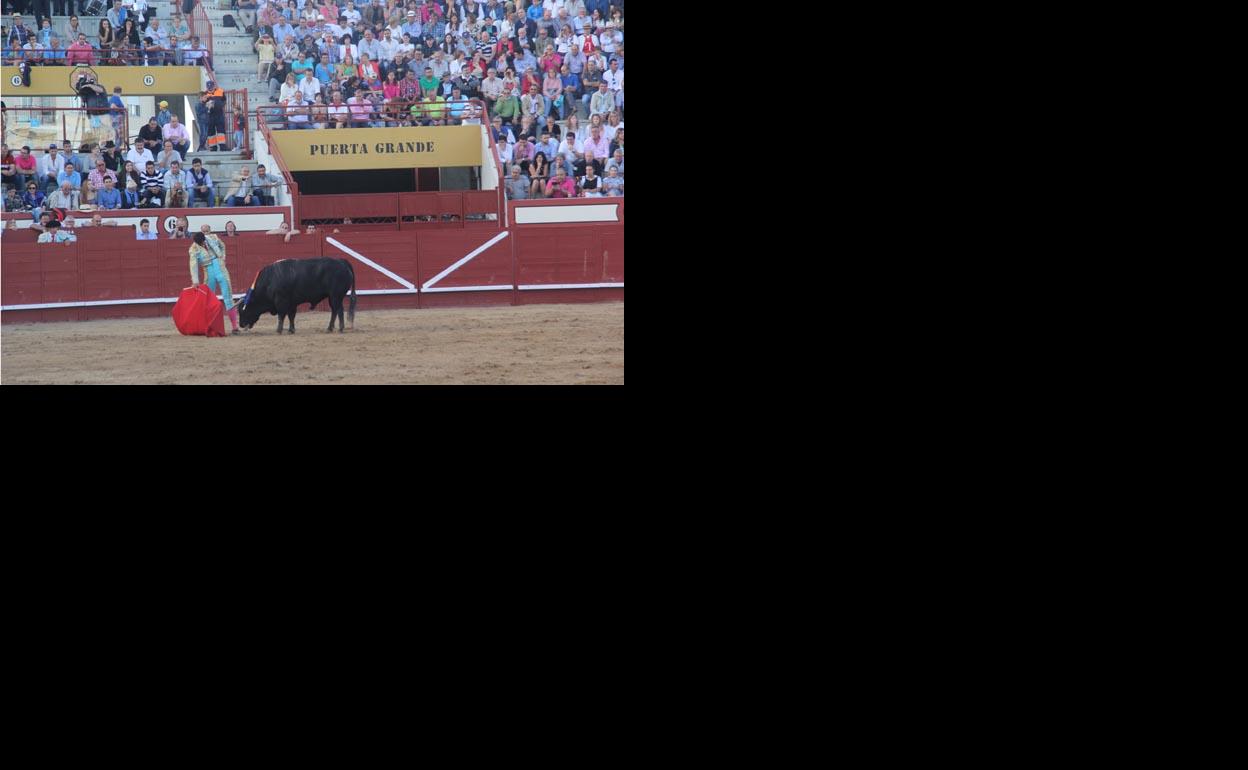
<point>108,197</point>
<point>617,163</point>
<point>547,144</point>
<point>54,52</point>
<point>153,52</point>
<point>140,156</point>
<point>522,153</point>
<point>361,109</point>
<point>598,144</point>
<point>33,199</point>
<point>167,155</point>
<point>602,102</point>
<point>570,148</point>
<point>25,165</point>
<point>130,195</point>
<point>309,86</point>
<point>87,195</point>
<point>559,162</point>
<point>265,186</point>
<point>539,172</point>
<point>65,197</point>
<point>177,180</point>
<point>150,136</point>
<point>241,191</point>
<point>201,183</point>
<point>71,175</point>
<point>98,174</point>
<point>590,185</point>
<point>80,52</point>
<point>50,167</point>
<point>67,152</point>
<point>145,232</point>
<point>289,88</point>
<point>337,114</point>
<point>456,106</point>
<point>588,160</point>
<point>152,186</point>
<point>175,131</point>
<point>296,112</point>
<point>562,186</point>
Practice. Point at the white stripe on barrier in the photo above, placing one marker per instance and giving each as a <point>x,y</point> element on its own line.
<point>464,261</point>
<point>535,286</point>
<point>466,288</point>
<point>370,263</point>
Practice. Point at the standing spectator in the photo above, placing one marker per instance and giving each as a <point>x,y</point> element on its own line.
<point>277,77</point>
<point>145,233</point>
<point>614,78</point>
<point>267,50</point>
<point>214,98</point>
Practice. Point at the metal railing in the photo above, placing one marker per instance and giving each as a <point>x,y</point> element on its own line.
<point>292,188</point>
<point>390,114</point>
<point>200,26</point>
<point>112,57</point>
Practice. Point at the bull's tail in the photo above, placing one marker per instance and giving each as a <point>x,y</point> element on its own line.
<point>352,310</point>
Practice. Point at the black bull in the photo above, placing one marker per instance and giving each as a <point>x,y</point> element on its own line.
<point>283,286</point>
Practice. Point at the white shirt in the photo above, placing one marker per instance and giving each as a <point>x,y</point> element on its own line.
<point>309,88</point>
<point>614,80</point>
<point>573,150</point>
<point>140,159</point>
<point>504,153</point>
<point>47,166</point>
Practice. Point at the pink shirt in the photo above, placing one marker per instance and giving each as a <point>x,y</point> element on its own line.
<point>80,53</point>
<point>175,135</point>
<point>600,148</point>
<point>565,190</point>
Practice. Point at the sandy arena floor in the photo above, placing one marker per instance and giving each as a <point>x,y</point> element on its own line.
<point>528,344</point>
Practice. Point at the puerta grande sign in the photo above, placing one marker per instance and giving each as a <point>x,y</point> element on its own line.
<point>378,148</point>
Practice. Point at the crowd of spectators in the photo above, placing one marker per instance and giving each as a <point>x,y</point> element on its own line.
<point>128,33</point>
<point>151,173</point>
<point>549,72</point>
